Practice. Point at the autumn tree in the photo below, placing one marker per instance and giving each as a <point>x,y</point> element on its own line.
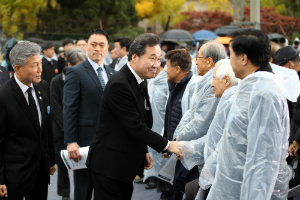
<point>274,22</point>
<point>209,20</point>
<point>148,8</point>
<point>19,16</point>
<point>170,15</point>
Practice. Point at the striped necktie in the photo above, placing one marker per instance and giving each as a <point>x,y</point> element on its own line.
<point>99,70</point>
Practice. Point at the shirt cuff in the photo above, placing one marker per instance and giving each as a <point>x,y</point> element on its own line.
<point>167,146</point>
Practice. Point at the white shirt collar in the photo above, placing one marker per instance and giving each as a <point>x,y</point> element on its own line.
<point>49,59</point>
<point>95,65</point>
<point>23,87</point>
<point>138,79</point>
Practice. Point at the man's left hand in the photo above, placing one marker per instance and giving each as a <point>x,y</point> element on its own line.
<point>149,161</point>
<point>52,170</point>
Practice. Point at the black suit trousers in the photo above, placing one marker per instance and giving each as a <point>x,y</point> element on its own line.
<point>39,191</point>
<point>110,189</point>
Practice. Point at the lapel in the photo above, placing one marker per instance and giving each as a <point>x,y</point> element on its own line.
<point>135,88</point>
<point>90,70</point>
<point>19,96</point>
<point>108,72</point>
<point>41,100</point>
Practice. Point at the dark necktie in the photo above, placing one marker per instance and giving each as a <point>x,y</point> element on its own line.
<point>32,106</point>
<point>99,70</point>
<point>142,86</point>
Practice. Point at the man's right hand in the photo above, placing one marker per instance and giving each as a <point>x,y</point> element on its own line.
<point>174,147</point>
<point>3,191</point>
<point>73,151</point>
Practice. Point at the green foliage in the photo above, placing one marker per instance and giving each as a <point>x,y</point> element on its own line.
<point>114,15</point>
<point>129,31</point>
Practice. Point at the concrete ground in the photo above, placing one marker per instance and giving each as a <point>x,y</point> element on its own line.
<point>139,192</point>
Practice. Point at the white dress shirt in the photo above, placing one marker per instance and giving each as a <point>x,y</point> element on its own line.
<point>96,66</point>
<point>139,80</point>
<point>24,89</point>
<point>121,63</point>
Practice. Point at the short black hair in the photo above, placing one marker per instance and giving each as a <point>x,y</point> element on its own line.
<point>47,45</point>
<point>254,43</point>
<point>80,39</point>
<point>180,57</point>
<point>139,44</point>
<point>124,42</point>
<point>282,40</point>
<point>67,41</point>
<point>98,31</point>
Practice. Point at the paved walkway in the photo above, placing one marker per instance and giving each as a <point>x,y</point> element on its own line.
<point>139,192</point>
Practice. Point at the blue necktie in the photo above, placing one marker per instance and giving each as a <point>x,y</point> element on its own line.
<point>101,78</point>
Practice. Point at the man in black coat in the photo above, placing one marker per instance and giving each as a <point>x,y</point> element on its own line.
<point>26,141</point>
<point>83,89</point>
<point>50,68</point>
<point>4,75</point>
<point>75,57</point>
<point>118,151</point>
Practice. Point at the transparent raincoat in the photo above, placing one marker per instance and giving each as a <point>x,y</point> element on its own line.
<point>194,68</point>
<point>196,121</point>
<point>251,158</point>
<point>158,90</point>
<point>195,152</point>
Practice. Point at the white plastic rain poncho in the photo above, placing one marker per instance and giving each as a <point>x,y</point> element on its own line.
<point>196,121</point>
<point>196,152</point>
<point>194,68</point>
<point>158,90</point>
<point>252,152</point>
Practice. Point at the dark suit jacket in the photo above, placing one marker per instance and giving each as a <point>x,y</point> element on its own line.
<point>81,102</point>
<point>4,75</point>
<point>23,143</point>
<point>56,93</point>
<point>114,62</point>
<point>49,70</point>
<point>119,148</point>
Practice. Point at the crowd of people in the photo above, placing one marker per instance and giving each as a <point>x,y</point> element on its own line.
<point>229,115</point>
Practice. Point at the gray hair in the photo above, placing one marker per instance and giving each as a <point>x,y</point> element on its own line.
<point>214,49</point>
<point>225,69</point>
<point>138,46</point>
<point>75,55</point>
<point>20,52</point>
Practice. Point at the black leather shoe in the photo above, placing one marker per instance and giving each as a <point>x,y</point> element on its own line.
<point>151,185</point>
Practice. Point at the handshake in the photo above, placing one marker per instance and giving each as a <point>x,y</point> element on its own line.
<point>175,148</point>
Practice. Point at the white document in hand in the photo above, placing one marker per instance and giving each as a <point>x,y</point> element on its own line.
<point>168,171</point>
<point>71,164</point>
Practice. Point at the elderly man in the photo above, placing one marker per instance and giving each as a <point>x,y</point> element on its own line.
<point>26,141</point>
<point>118,151</point>
<point>197,152</point>
<point>253,149</point>
<point>195,122</point>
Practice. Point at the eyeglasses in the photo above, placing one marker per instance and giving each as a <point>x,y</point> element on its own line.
<point>199,57</point>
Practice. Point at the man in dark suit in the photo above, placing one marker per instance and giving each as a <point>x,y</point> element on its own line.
<point>118,151</point>
<point>83,89</point>
<point>50,68</point>
<point>4,75</point>
<point>26,143</point>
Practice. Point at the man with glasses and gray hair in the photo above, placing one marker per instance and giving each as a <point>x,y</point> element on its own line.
<point>26,141</point>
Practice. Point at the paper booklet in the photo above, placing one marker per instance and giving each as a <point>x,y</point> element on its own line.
<point>70,163</point>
